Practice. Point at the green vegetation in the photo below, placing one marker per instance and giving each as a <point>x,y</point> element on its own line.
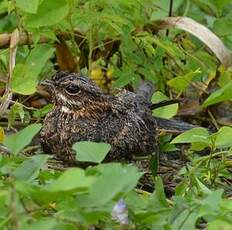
<point>116,43</point>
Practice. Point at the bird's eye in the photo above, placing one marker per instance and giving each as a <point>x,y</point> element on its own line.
<point>72,89</point>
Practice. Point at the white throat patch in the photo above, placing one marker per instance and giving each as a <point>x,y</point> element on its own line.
<point>65,109</point>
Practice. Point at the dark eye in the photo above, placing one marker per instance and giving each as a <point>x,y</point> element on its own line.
<point>72,89</point>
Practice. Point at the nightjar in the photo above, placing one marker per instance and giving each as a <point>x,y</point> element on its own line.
<point>82,112</point>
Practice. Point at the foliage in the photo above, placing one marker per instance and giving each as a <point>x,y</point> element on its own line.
<point>212,168</point>
<point>116,43</point>
<point>78,198</point>
<point>91,151</point>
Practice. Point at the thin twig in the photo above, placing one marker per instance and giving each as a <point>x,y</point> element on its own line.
<point>7,97</point>
<point>213,120</point>
<point>169,14</point>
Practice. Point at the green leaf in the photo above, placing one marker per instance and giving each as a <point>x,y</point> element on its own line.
<point>49,13</point>
<point>16,109</point>
<point>8,23</point>
<point>23,81</point>
<point>91,151</point>
<point>16,142</point>
<point>220,4</point>
<point>114,179</point>
<point>182,82</point>
<point>166,111</point>
<point>45,224</point>
<point>71,179</point>
<point>125,76</point>
<point>169,47</point>
<point>225,77</point>
<point>135,201</point>
<point>154,164</point>
<point>25,76</point>
<point>202,187</point>
<point>223,138</point>
<point>29,169</point>
<point>164,4</point>
<point>194,135</point>
<point>223,94</point>
<point>220,223</point>
<point>29,6</point>
<point>211,203</point>
<point>158,199</point>
<point>38,57</point>
<point>186,220</point>
<point>39,113</point>
<point>183,215</point>
<point>222,26</point>
<point>181,188</point>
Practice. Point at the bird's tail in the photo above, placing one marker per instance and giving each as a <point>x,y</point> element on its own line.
<point>146,90</point>
<point>172,126</point>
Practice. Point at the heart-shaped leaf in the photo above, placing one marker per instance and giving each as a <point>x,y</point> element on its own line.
<point>91,151</point>
<point>16,142</point>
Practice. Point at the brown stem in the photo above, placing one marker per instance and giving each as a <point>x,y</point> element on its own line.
<point>7,97</point>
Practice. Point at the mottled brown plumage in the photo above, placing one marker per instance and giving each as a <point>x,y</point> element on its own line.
<point>82,112</point>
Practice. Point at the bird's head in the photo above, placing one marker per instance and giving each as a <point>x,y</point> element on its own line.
<point>72,90</point>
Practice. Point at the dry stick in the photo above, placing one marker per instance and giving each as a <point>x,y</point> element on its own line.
<point>214,121</point>
<point>7,97</point>
<point>24,39</point>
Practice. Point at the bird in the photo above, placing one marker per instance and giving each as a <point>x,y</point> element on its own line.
<point>82,112</point>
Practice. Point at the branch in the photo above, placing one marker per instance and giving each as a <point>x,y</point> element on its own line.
<point>5,101</point>
<point>24,39</point>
